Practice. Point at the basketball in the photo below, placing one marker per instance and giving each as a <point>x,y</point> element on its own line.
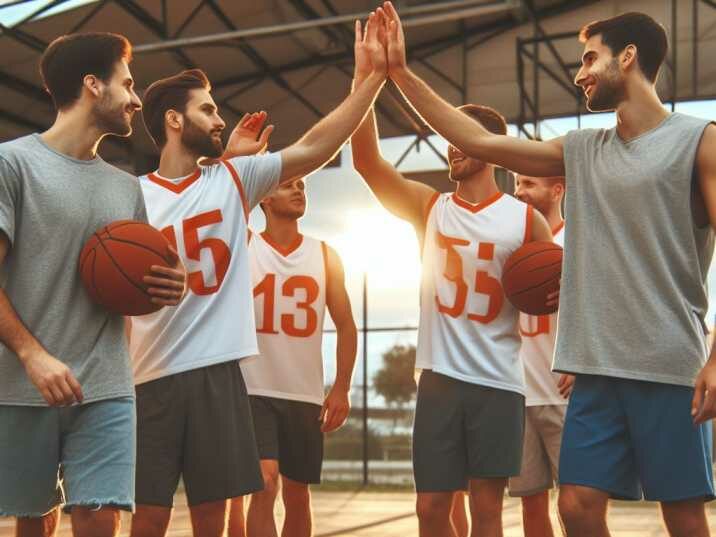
<point>530,274</point>
<point>114,261</point>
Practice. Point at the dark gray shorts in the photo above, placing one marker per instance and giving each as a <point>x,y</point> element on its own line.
<point>197,425</point>
<point>464,431</point>
<point>289,432</point>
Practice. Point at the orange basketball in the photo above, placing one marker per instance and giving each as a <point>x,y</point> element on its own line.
<point>530,274</point>
<point>116,258</point>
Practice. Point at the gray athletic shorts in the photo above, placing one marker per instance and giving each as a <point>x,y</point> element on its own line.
<point>464,431</point>
<point>540,451</point>
<point>197,425</point>
<point>290,433</point>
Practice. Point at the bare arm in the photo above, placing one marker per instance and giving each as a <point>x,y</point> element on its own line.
<point>404,198</point>
<point>320,144</point>
<point>540,227</point>
<point>703,406</point>
<point>53,379</point>
<point>337,404</point>
<point>541,159</point>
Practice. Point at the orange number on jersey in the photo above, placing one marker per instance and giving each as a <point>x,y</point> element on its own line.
<point>267,288</point>
<point>220,252</point>
<point>542,326</point>
<point>453,273</point>
<point>487,285</point>
<point>484,283</point>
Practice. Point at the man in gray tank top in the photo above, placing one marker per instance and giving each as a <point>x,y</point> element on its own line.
<point>641,208</point>
<point>66,391</point>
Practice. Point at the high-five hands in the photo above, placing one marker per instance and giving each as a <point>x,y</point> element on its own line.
<point>370,52</point>
<point>394,39</point>
<point>249,137</point>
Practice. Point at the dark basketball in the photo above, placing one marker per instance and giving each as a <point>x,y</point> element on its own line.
<point>116,258</point>
<point>530,274</point>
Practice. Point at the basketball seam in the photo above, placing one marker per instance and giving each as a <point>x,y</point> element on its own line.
<point>534,286</point>
<point>119,268</point>
<point>139,244</point>
<point>516,264</point>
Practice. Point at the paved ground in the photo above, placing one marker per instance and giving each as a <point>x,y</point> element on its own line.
<point>390,514</point>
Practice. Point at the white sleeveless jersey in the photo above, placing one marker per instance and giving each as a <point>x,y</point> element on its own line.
<point>205,216</point>
<point>538,336</point>
<point>468,329</point>
<point>289,304</point>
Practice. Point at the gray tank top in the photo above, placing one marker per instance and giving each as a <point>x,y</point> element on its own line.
<point>634,296</point>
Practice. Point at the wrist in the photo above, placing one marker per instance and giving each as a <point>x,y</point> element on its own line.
<point>399,74</point>
<point>28,352</point>
<point>343,386</point>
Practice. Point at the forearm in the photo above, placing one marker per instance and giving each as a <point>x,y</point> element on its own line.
<point>320,144</point>
<point>346,348</point>
<point>453,125</point>
<point>13,333</point>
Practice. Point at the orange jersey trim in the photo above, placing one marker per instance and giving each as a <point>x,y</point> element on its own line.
<point>239,187</point>
<point>429,207</point>
<point>558,228</point>
<point>474,208</point>
<point>528,224</point>
<point>285,252</point>
<point>177,188</point>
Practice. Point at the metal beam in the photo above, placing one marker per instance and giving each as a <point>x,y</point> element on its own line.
<point>25,88</point>
<point>21,121</point>
<point>572,90</point>
<point>23,38</point>
<point>478,8</point>
<point>258,60</point>
<point>189,19</point>
<point>97,8</point>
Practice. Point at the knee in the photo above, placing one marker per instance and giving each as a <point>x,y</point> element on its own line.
<point>149,521</point>
<point>271,481</point>
<point>536,505</point>
<point>486,509</point>
<point>296,494</point>
<point>88,522</point>
<point>576,509</point>
<point>433,507</point>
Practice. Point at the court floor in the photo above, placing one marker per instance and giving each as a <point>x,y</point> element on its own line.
<point>390,514</point>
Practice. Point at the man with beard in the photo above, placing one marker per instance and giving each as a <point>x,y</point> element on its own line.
<point>194,419</point>
<point>59,349</point>
<point>295,279</point>
<point>546,392</point>
<point>469,413</point>
<point>641,208</point>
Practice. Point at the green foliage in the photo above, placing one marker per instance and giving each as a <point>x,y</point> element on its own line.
<point>395,381</point>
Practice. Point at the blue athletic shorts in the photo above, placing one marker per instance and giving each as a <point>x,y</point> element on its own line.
<point>78,455</point>
<point>635,439</point>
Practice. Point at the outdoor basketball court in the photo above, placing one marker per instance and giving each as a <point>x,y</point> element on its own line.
<point>391,514</point>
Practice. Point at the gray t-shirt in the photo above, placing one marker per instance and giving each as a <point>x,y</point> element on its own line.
<point>633,294</point>
<point>50,204</point>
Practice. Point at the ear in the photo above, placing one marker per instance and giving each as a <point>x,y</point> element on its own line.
<point>92,84</point>
<point>173,119</point>
<point>558,190</point>
<point>628,56</point>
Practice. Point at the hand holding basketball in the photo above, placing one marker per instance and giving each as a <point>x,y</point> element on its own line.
<point>531,277</point>
<point>168,285</point>
<point>53,379</point>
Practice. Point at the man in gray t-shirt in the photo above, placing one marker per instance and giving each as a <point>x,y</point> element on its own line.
<point>641,208</point>
<point>58,347</point>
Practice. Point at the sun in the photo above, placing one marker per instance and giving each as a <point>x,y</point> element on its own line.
<point>382,246</point>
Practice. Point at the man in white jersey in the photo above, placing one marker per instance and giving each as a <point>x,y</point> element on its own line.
<point>546,392</point>
<point>193,415</point>
<point>641,210</point>
<point>470,404</point>
<point>295,278</point>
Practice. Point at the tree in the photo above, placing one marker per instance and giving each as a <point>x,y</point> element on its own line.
<point>395,381</point>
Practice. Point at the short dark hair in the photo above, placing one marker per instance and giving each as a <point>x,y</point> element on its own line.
<point>69,58</point>
<point>632,28</point>
<point>171,93</point>
<point>488,117</point>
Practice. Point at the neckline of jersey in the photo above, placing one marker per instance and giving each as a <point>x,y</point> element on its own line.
<point>476,207</point>
<point>558,228</point>
<point>645,133</point>
<point>285,252</point>
<point>178,185</point>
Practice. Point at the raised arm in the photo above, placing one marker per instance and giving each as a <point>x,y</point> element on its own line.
<point>320,144</point>
<point>541,159</point>
<point>337,403</point>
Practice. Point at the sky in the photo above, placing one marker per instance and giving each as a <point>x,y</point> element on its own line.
<point>342,211</point>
